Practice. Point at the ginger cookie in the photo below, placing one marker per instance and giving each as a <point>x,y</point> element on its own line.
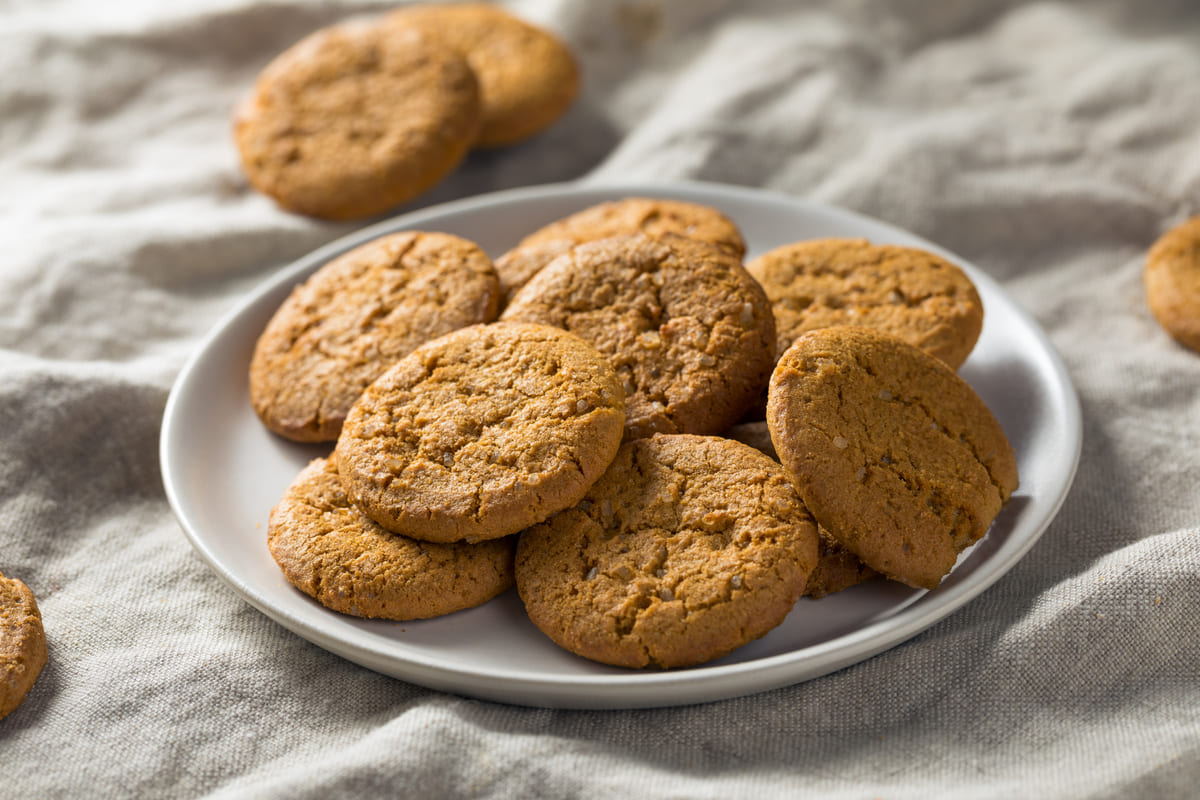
<point>1172,280</point>
<point>688,330</point>
<point>482,432</point>
<point>837,568</point>
<point>687,548</point>
<point>908,293</point>
<point>330,551</point>
<point>358,315</point>
<point>351,122</point>
<point>22,643</point>
<point>893,453</point>
<point>653,217</point>
<point>527,76</point>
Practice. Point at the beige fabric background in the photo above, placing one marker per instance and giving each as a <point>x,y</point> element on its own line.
<point>1047,142</point>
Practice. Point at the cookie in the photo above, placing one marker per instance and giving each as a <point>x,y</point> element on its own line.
<point>651,216</point>
<point>893,453</point>
<point>358,315</point>
<point>688,330</point>
<point>687,548</point>
<point>911,294</point>
<point>1172,280</point>
<point>330,551</point>
<point>527,77</point>
<point>22,643</point>
<point>351,122</point>
<point>837,568</point>
<point>481,433</point>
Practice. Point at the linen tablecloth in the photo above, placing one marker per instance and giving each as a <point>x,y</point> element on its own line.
<point>1049,143</point>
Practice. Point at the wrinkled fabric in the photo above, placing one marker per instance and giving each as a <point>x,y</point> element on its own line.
<point>1049,143</point>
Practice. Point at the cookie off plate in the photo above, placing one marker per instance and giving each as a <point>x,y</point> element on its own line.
<point>223,471</point>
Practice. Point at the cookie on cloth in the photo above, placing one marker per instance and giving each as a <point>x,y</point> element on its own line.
<point>1172,280</point>
<point>651,216</point>
<point>358,315</point>
<point>327,549</point>
<point>687,548</point>
<point>893,453</point>
<point>909,293</point>
<point>482,432</point>
<point>527,76</point>
<point>689,332</point>
<point>837,568</point>
<point>22,643</point>
<point>350,122</point>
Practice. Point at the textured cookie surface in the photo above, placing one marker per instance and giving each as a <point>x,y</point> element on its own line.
<point>1172,279</point>
<point>482,432</point>
<point>908,293</point>
<point>350,122</point>
<point>22,643</point>
<point>688,330</point>
<point>358,315</point>
<point>527,77</point>
<point>685,549</point>
<point>837,568</point>
<point>330,551</point>
<point>893,453</point>
<point>653,217</point>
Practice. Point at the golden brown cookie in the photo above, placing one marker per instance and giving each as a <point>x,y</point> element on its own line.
<point>351,122</point>
<point>22,643</point>
<point>330,551</point>
<point>893,453</point>
<point>527,77</point>
<point>908,293</point>
<point>651,216</point>
<point>482,432</point>
<point>687,548</point>
<point>688,330</point>
<point>837,568</point>
<point>1172,279</point>
<point>358,315</point>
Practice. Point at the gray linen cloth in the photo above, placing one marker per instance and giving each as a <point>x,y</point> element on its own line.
<point>1047,142</point>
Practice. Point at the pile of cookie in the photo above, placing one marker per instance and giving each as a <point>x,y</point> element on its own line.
<point>663,447</point>
<point>360,117</point>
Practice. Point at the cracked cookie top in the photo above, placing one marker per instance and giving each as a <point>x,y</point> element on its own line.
<point>1172,280</point>
<point>914,295</point>
<point>22,643</point>
<point>354,120</point>
<point>327,549</point>
<point>895,455</point>
<point>652,216</point>
<point>482,432</point>
<point>687,548</point>
<point>689,332</point>
<point>358,315</point>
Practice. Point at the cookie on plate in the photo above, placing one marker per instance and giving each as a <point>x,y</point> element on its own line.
<point>909,293</point>
<point>527,76</point>
<point>687,548</point>
<point>893,453</point>
<point>358,315</point>
<point>482,432</point>
<point>688,330</point>
<point>651,216</point>
<point>22,643</point>
<point>1172,280</point>
<point>351,122</point>
<point>330,551</point>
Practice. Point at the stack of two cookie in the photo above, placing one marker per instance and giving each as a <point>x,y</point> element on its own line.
<point>359,117</point>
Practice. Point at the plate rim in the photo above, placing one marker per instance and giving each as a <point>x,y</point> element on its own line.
<point>634,689</point>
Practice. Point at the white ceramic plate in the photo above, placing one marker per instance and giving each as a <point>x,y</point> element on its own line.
<point>223,472</point>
